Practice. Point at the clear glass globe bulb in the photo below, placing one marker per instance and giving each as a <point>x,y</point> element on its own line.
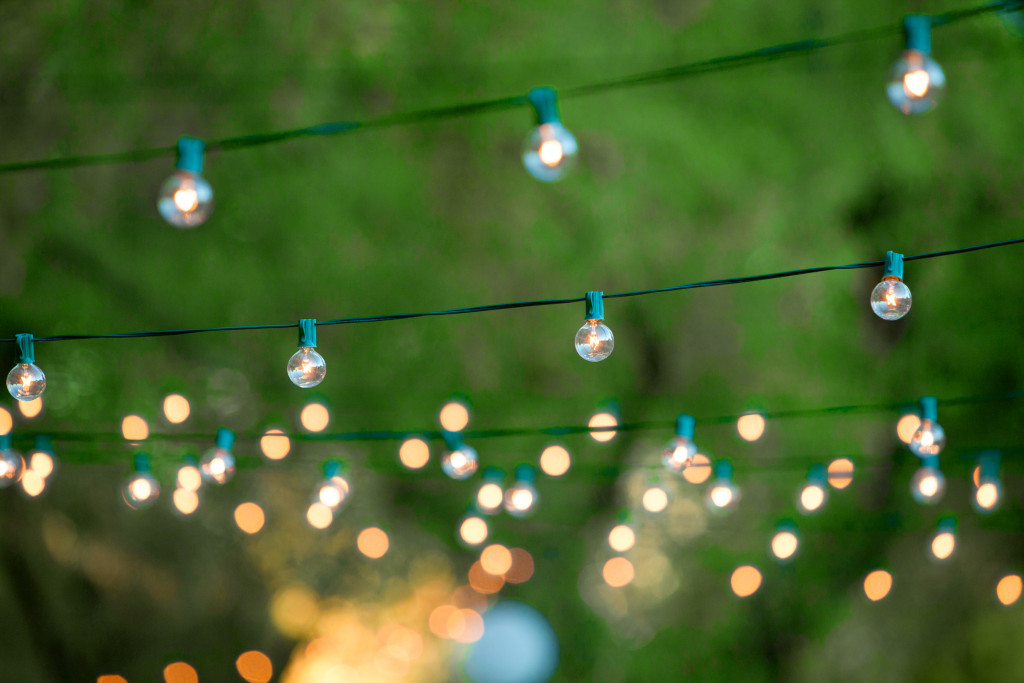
<point>307,368</point>
<point>723,495</point>
<point>26,381</point>
<point>679,454</point>
<point>929,439</point>
<point>594,341</point>
<point>520,499</point>
<point>916,83</point>
<point>218,465</point>
<point>141,490</point>
<point>890,299</point>
<point>333,492</point>
<point>185,199</point>
<point>459,464</point>
<point>928,485</point>
<point>12,466</point>
<point>549,151</point>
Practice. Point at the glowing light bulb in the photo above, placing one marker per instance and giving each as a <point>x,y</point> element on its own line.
<point>521,498</point>
<point>142,488</point>
<point>555,461</point>
<point>12,465</point>
<point>459,460</point>
<point>186,199</point>
<point>681,450</point>
<point>943,544</point>
<point>333,491</point>
<point>916,81</point>
<point>306,367</point>
<point>550,149</point>
<point>621,538</point>
<point>928,484</point>
<point>189,477</point>
<point>26,380</point>
<point>813,494</point>
<point>490,495</point>
<point>186,502</point>
<point>655,498</point>
<point>723,493</point>
<point>930,438</point>
<point>785,543</point>
<point>594,341</point>
<point>890,299</point>
<point>218,465</point>
<point>986,496</point>
<point>473,530</point>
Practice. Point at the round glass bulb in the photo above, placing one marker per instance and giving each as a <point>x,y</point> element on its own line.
<point>929,439</point>
<point>333,492</point>
<point>306,367</point>
<point>812,497</point>
<point>218,465</point>
<point>12,466</point>
<point>916,83</point>
<point>594,341</point>
<point>549,152</point>
<point>722,495</point>
<point>520,499</point>
<point>928,485</point>
<point>459,464</point>
<point>890,299</point>
<point>185,199</point>
<point>489,497</point>
<point>141,490</point>
<point>26,381</point>
<point>679,454</point>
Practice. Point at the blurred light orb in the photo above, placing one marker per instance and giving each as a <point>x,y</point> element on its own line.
<point>218,465</point>
<point>134,428</point>
<point>750,426</point>
<point>26,381</point>
<point>189,478</point>
<point>180,672</point>
<point>722,495</point>
<point>373,542</point>
<point>484,582</point>
<point>618,572</point>
<point>254,667</point>
<point>1009,588</point>
<point>32,483</point>
<point>621,538</point>
<point>12,467</point>
<point>333,492</point>
<point>319,515</point>
<point>916,83</point>
<point>600,420</point>
<point>655,499</point>
<point>249,517</point>
<point>555,461</point>
<point>176,408</point>
<point>907,426</point>
<point>877,584</point>
<point>986,496</point>
<point>306,368</point>
<point>943,544</point>
<point>699,470</point>
<point>141,490</point>
<point>521,499</point>
<point>928,485</point>
<point>745,581</point>
<point>489,497</point>
<point>275,444</point>
<point>594,341</point>
<point>186,502</point>
<point>454,416</point>
<point>840,473</point>
<point>414,453</point>
<point>6,421</point>
<point>315,417</point>
<point>890,299</point>
<point>549,152</point>
<point>185,199</point>
<point>41,463</point>
<point>460,463</point>
<point>784,545</point>
<point>679,454</point>
<point>31,409</point>
<point>111,678</point>
<point>496,559</point>
<point>522,567</point>
<point>929,439</point>
<point>812,497</point>
<point>473,530</point>
<point>465,626</point>
<point>517,645</point>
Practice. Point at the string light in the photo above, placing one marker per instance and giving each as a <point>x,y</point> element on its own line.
<point>750,426</point>
<point>142,488</point>
<point>414,453</point>
<point>176,408</point>
<point>315,417</point>
<point>188,476</point>
<point>877,584</point>
<point>1009,588</point>
<point>622,537</point>
<point>490,495</point>
<point>840,473</point>
<point>723,493</point>
<point>306,367</point>
<point>699,471</point>
<point>459,460</point>
<point>41,459</point>
<point>890,299</point>
<point>555,461</point>
<point>31,409</point>
<point>521,498</point>
<point>745,581</point>
<point>928,483</point>
<point>186,199</point>
<point>594,341</point>
<point>655,497</point>
<point>989,492</point>
<point>473,528</point>
<point>6,421</point>
<point>679,454</point>
<point>813,494</point>
<point>907,426</point>
<point>943,541</point>
<point>218,465</point>
<point>319,515</point>
<point>930,437</point>
<point>186,502</point>
<point>550,149</point>
<point>275,444</point>
<point>599,420</point>
<point>134,428</point>
<point>26,380</point>
<point>785,542</point>
<point>916,80</point>
<point>454,415</point>
<point>12,465</point>
<point>333,491</point>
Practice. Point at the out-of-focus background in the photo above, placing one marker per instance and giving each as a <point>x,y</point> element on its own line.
<point>796,163</point>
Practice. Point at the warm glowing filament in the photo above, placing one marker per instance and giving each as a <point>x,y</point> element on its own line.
<point>890,299</point>
<point>217,466</point>
<point>929,486</point>
<point>522,499</point>
<point>721,496</point>
<point>186,199</point>
<point>621,538</point>
<point>473,530</point>
<point>141,489</point>
<point>550,152</point>
<point>489,496</point>
<point>927,439</point>
<point>594,341</point>
<point>987,495</point>
<point>916,83</point>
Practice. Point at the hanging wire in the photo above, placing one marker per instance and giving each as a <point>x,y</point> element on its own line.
<point>676,73</point>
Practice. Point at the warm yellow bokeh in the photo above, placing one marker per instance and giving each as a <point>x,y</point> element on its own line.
<point>655,499</point>
<point>294,611</point>
<point>483,581</point>
<point>134,428</point>
<point>254,667</point>
<point>603,420</point>
<point>745,581</point>
<point>943,545</point>
<point>496,559</point>
<point>32,482</point>
<point>877,584</point>
<point>6,421</point>
<point>276,445</point>
<point>618,572</point>
<point>1009,588</point>
<point>189,478</point>
<point>372,542</point>
<point>750,426</point>
<point>180,672</point>
<point>906,426</point>
<point>473,530</point>
<point>489,496</point>
<point>840,473</point>
<point>185,501</point>
<point>319,515</point>
<point>249,517</point>
<point>454,416</point>
<point>784,544</point>
<point>315,417</point>
<point>555,461</point>
<point>812,497</point>
<point>414,453</point>
<point>522,566</point>
<point>176,408</point>
<point>41,463</point>
<point>987,495</point>
<point>465,626</point>
<point>31,408</point>
<point>699,469</point>
<point>111,678</point>
<point>621,538</point>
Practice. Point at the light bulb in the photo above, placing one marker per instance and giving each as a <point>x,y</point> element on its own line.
<point>189,477</point>
<point>549,151</point>
<point>812,497</point>
<point>307,368</point>
<point>26,381</point>
<point>929,439</point>
<point>594,341</point>
<point>521,498</point>
<point>916,83</point>
<point>473,530</point>
<point>218,465</point>
<point>928,484</point>
<point>723,494</point>
<point>459,463</point>
<point>621,538</point>
<point>943,544</point>
<point>186,199</point>
<point>489,497</point>
<point>890,299</point>
<point>655,498</point>
<point>986,496</point>
<point>12,465</point>
<point>141,489</point>
<point>679,454</point>
<point>785,543</point>
<point>333,491</point>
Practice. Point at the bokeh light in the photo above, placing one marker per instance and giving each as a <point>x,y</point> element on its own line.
<point>41,463</point>
<point>254,667</point>
<point>319,515</point>
<point>1009,588</point>
<point>185,501</point>
<point>180,672</point>
<point>489,497</point>
<point>750,426</point>
<point>438,620</point>
<point>603,420</point>
<point>465,597</point>
<point>31,409</point>
<point>784,544</point>
<point>414,453</point>
<point>189,478</point>
<point>655,499</point>
<point>6,421</point>
<point>621,538</point>
<point>134,428</point>
<point>496,559</point>
<point>943,545</point>
<point>372,542</point>
<point>987,495</point>
<point>518,646</point>
<point>906,426</point>
<point>976,475</point>
<point>522,566</point>
<point>555,461</point>
<point>840,473</point>
<point>483,581</point>
<point>294,611</point>
<point>618,572</point>
<point>473,530</point>
<point>877,584</point>
<point>275,444</point>
<point>812,497</point>
<point>111,678</point>
<point>32,482</point>
<point>454,416</point>
<point>465,626</point>
<point>249,517</point>
<point>699,469</point>
<point>315,417</point>
<point>745,580</point>
<point>176,408</point>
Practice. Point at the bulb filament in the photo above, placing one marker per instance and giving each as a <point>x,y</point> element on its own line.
<point>916,83</point>
<point>186,199</point>
<point>550,152</point>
